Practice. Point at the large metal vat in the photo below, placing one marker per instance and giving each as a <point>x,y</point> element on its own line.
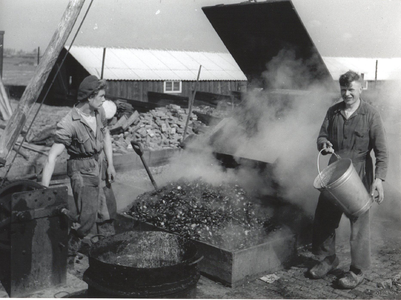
<point>143,265</point>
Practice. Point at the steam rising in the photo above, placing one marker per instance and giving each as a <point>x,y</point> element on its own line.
<point>277,127</point>
<point>280,127</point>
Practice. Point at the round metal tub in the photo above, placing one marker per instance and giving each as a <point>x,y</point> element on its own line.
<point>143,264</point>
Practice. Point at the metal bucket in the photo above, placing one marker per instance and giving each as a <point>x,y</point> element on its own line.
<point>340,183</point>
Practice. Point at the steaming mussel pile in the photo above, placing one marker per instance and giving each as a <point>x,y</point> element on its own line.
<point>219,215</point>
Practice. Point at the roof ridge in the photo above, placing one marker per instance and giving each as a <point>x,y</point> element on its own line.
<point>149,49</point>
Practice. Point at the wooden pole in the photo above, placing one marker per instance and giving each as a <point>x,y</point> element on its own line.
<point>5,102</point>
<point>103,60</point>
<point>191,102</point>
<point>1,51</point>
<point>32,91</point>
<point>3,111</point>
<point>38,57</point>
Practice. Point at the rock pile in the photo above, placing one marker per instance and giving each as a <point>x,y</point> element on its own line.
<point>160,128</point>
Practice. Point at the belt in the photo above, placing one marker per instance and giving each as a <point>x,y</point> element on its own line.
<point>82,157</point>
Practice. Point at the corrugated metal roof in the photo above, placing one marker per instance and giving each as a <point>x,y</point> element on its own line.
<point>387,68</point>
<point>141,64</point>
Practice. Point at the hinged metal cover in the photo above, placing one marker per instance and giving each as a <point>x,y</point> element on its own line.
<point>39,231</point>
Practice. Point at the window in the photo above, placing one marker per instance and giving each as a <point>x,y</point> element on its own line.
<point>365,85</point>
<point>172,86</point>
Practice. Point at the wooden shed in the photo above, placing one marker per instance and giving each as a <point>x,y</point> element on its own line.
<point>146,75</point>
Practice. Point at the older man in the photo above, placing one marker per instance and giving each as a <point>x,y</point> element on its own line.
<point>352,129</point>
<point>90,167</point>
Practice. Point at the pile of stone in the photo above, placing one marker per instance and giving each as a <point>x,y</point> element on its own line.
<point>160,128</point>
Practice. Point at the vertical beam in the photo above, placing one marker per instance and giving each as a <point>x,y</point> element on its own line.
<point>38,58</point>
<point>32,91</point>
<point>1,52</point>
<point>103,60</point>
<point>5,107</point>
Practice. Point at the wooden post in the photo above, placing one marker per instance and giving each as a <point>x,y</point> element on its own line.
<point>38,57</point>
<point>32,91</point>
<point>190,104</point>
<point>1,51</point>
<point>5,107</point>
<point>103,61</point>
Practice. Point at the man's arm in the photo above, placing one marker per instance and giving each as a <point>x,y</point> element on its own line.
<point>48,169</point>
<point>378,136</point>
<point>108,150</point>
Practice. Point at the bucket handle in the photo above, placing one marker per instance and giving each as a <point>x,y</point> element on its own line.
<point>318,167</point>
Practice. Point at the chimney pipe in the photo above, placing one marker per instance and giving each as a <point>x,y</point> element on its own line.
<point>1,52</point>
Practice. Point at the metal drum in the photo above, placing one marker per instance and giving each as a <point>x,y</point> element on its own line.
<point>143,264</point>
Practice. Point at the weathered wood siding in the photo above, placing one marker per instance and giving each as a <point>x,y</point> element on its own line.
<point>137,90</point>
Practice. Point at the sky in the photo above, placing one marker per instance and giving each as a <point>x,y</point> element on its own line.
<point>352,28</point>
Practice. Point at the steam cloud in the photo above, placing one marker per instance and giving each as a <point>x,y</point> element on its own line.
<point>281,129</point>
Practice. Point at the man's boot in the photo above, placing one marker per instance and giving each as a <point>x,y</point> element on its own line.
<point>325,266</point>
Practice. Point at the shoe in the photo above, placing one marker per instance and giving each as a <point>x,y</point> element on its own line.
<point>351,280</point>
<point>322,268</point>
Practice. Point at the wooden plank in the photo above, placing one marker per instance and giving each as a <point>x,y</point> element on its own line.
<point>32,91</point>
<point>5,107</point>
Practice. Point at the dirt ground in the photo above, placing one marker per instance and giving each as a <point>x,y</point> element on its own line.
<point>382,281</point>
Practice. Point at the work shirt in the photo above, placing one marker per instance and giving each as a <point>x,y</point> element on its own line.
<point>86,168</point>
<point>78,137</point>
<point>355,138</point>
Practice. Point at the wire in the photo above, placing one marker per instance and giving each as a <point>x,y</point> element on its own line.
<point>47,92</point>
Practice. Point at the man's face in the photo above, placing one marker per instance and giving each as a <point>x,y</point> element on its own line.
<point>97,100</point>
<point>351,93</point>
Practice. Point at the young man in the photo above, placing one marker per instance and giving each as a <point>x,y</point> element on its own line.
<point>352,129</point>
<point>90,167</point>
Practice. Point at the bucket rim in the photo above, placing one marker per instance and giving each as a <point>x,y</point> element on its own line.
<point>318,182</point>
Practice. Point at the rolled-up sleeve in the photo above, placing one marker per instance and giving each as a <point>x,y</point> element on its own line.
<point>63,134</point>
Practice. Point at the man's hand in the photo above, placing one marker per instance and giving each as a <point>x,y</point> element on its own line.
<point>111,173</point>
<point>377,186</point>
<point>327,148</point>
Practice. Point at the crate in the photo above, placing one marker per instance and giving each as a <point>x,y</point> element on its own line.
<point>234,267</point>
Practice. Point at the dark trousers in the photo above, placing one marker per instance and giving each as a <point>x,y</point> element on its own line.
<point>86,186</point>
<point>327,219</point>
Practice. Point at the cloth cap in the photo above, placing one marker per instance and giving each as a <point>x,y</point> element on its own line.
<point>87,87</point>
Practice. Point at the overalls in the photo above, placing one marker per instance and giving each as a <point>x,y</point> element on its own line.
<point>86,167</point>
<point>352,138</point>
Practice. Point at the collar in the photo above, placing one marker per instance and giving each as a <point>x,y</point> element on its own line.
<point>361,110</point>
<point>76,116</point>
